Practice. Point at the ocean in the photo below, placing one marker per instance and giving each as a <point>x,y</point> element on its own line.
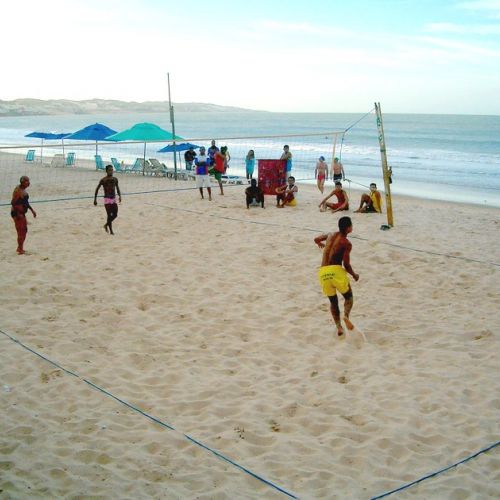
<point>444,157</point>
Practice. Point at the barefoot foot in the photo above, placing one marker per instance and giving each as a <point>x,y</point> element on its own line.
<point>348,323</point>
<point>106,228</point>
<point>340,332</point>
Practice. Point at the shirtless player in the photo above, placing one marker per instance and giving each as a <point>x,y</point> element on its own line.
<point>110,187</point>
<point>332,276</point>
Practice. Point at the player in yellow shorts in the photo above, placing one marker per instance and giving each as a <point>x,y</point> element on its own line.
<point>332,274</point>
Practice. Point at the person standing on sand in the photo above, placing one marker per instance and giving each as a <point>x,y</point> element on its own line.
<point>110,187</point>
<point>20,206</point>
<point>218,169</point>
<point>332,274</point>
<point>287,157</point>
<point>338,173</point>
<point>211,153</point>
<point>202,177</point>
<point>321,173</point>
<point>250,163</point>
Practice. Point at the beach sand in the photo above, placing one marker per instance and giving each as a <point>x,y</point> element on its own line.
<point>209,317</point>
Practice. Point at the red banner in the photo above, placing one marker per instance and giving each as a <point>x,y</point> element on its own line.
<point>272,173</point>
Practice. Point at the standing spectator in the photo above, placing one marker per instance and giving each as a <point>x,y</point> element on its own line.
<point>227,159</point>
<point>250,164</point>
<point>202,177</point>
<point>189,157</point>
<point>287,156</point>
<point>20,205</point>
<point>321,172</point>
<point>338,170</point>
<point>211,153</point>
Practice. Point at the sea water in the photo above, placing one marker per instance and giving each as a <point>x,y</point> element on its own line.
<point>446,157</point>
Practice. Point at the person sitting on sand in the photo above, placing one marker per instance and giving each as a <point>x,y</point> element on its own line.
<point>332,274</point>
<point>342,200</point>
<point>201,174</point>
<point>254,194</point>
<point>287,194</point>
<point>109,185</point>
<point>321,172</point>
<point>19,208</point>
<point>371,202</point>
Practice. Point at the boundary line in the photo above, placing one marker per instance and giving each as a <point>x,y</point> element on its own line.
<point>433,474</point>
<point>153,418</point>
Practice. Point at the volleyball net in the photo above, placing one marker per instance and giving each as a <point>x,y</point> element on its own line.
<point>69,169</point>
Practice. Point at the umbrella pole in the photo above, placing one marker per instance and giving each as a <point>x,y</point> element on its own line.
<point>144,164</point>
<point>96,148</point>
<point>172,120</point>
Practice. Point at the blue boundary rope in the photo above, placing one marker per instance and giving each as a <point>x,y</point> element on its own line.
<point>275,224</point>
<point>152,418</point>
<point>433,474</point>
<point>220,455</point>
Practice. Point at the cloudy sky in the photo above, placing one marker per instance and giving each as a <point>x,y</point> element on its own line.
<point>421,56</point>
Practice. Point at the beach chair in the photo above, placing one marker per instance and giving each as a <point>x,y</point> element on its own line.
<point>157,168</point>
<point>116,165</point>
<point>70,160</point>
<point>138,167</point>
<point>57,160</point>
<point>30,155</point>
<point>99,165</point>
<point>232,179</point>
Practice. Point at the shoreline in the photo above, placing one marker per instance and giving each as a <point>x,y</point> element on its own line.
<point>10,160</point>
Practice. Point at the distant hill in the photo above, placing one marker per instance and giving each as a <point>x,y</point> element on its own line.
<point>30,107</point>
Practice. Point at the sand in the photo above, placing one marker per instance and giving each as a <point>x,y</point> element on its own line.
<point>209,317</point>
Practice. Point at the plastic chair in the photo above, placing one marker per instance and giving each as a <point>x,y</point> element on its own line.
<point>99,165</point>
<point>30,155</point>
<point>116,165</point>
<point>70,160</point>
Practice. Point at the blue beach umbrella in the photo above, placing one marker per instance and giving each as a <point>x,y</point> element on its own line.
<point>95,132</point>
<point>48,136</point>
<point>173,148</point>
<point>183,146</point>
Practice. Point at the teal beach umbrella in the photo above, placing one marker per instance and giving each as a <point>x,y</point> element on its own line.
<point>144,132</point>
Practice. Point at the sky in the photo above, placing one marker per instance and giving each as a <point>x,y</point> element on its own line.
<point>438,56</point>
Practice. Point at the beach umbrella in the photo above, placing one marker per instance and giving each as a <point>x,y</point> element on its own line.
<point>144,132</point>
<point>95,132</point>
<point>48,136</point>
<point>183,146</point>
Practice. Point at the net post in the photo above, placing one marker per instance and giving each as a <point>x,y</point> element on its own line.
<point>385,168</point>
<point>333,154</point>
